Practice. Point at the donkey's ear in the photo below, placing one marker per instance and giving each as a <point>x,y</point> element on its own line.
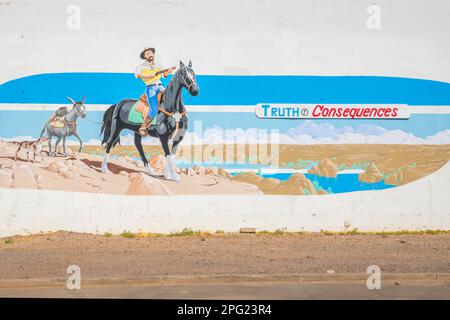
<point>83,100</point>
<point>71,100</point>
<point>190,64</point>
<point>181,64</point>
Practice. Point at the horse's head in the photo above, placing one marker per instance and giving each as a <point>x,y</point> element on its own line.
<point>188,79</point>
<point>78,107</point>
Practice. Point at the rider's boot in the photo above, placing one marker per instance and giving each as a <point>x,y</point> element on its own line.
<point>145,125</point>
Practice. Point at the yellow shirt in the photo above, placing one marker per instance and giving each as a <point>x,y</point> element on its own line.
<point>146,69</point>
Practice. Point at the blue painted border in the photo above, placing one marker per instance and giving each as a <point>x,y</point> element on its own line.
<point>108,88</point>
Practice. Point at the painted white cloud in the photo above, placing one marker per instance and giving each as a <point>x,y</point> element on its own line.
<point>309,132</point>
<point>18,138</point>
<point>442,137</point>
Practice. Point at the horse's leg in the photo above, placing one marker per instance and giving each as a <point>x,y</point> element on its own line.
<point>114,135</point>
<point>50,136</point>
<point>64,146</point>
<point>175,142</point>
<point>169,172</point>
<point>79,139</point>
<point>138,144</point>
<point>56,146</point>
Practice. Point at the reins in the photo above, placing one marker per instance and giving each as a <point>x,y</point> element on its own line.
<point>171,114</point>
<point>96,122</point>
<point>177,121</point>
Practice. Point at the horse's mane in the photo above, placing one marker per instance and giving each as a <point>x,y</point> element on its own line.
<point>169,92</point>
<point>172,80</point>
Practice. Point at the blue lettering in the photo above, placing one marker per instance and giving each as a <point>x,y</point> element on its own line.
<point>274,112</point>
<point>265,107</point>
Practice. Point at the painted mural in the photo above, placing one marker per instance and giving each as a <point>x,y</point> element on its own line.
<point>93,144</point>
<point>166,128</point>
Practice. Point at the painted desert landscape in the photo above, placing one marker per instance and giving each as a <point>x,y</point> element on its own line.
<point>82,172</point>
<point>302,170</point>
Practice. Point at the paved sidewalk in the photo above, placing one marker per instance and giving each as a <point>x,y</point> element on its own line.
<point>258,290</point>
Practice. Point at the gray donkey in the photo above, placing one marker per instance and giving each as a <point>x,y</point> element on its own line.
<point>67,128</point>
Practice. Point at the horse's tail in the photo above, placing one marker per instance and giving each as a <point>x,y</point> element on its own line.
<point>43,129</point>
<point>106,126</point>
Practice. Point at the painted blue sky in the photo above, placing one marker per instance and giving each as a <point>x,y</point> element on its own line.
<point>108,88</point>
<point>105,88</point>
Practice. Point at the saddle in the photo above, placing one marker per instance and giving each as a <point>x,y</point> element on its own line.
<point>57,122</point>
<point>143,99</point>
<point>58,118</point>
<point>134,116</point>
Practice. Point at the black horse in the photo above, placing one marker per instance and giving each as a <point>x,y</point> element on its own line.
<point>171,119</point>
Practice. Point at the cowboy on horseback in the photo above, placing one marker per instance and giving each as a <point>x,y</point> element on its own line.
<point>171,125</point>
<point>150,73</point>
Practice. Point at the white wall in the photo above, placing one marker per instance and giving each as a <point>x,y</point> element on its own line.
<point>326,37</point>
<point>420,205</point>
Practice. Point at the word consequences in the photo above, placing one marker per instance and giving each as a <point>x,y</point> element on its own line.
<point>329,111</point>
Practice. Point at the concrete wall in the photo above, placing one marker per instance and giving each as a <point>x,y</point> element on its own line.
<point>266,37</point>
<point>326,37</point>
<point>420,205</point>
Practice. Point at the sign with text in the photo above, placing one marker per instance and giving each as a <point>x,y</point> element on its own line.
<point>332,111</point>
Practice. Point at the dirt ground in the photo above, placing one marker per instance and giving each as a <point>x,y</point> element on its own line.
<point>47,256</point>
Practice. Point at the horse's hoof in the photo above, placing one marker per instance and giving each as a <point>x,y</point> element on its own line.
<point>172,177</point>
<point>149,170</point>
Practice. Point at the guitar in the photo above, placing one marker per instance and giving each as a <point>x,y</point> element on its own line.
<point>151,75</point>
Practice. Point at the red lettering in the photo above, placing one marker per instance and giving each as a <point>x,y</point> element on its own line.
<point>314,111</point>
<point>394,112</point>
<point>332,112</point>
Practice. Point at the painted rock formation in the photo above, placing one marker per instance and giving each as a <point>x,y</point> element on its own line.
<point>325,168</point>
<point>297,184</point>
<point>371,174</point>
<point>82,173</point>
<point>403,176</point>
<point>141,184</point>
<point>264,184</point>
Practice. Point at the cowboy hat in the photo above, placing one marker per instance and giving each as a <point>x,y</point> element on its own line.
<point>145,50</point>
